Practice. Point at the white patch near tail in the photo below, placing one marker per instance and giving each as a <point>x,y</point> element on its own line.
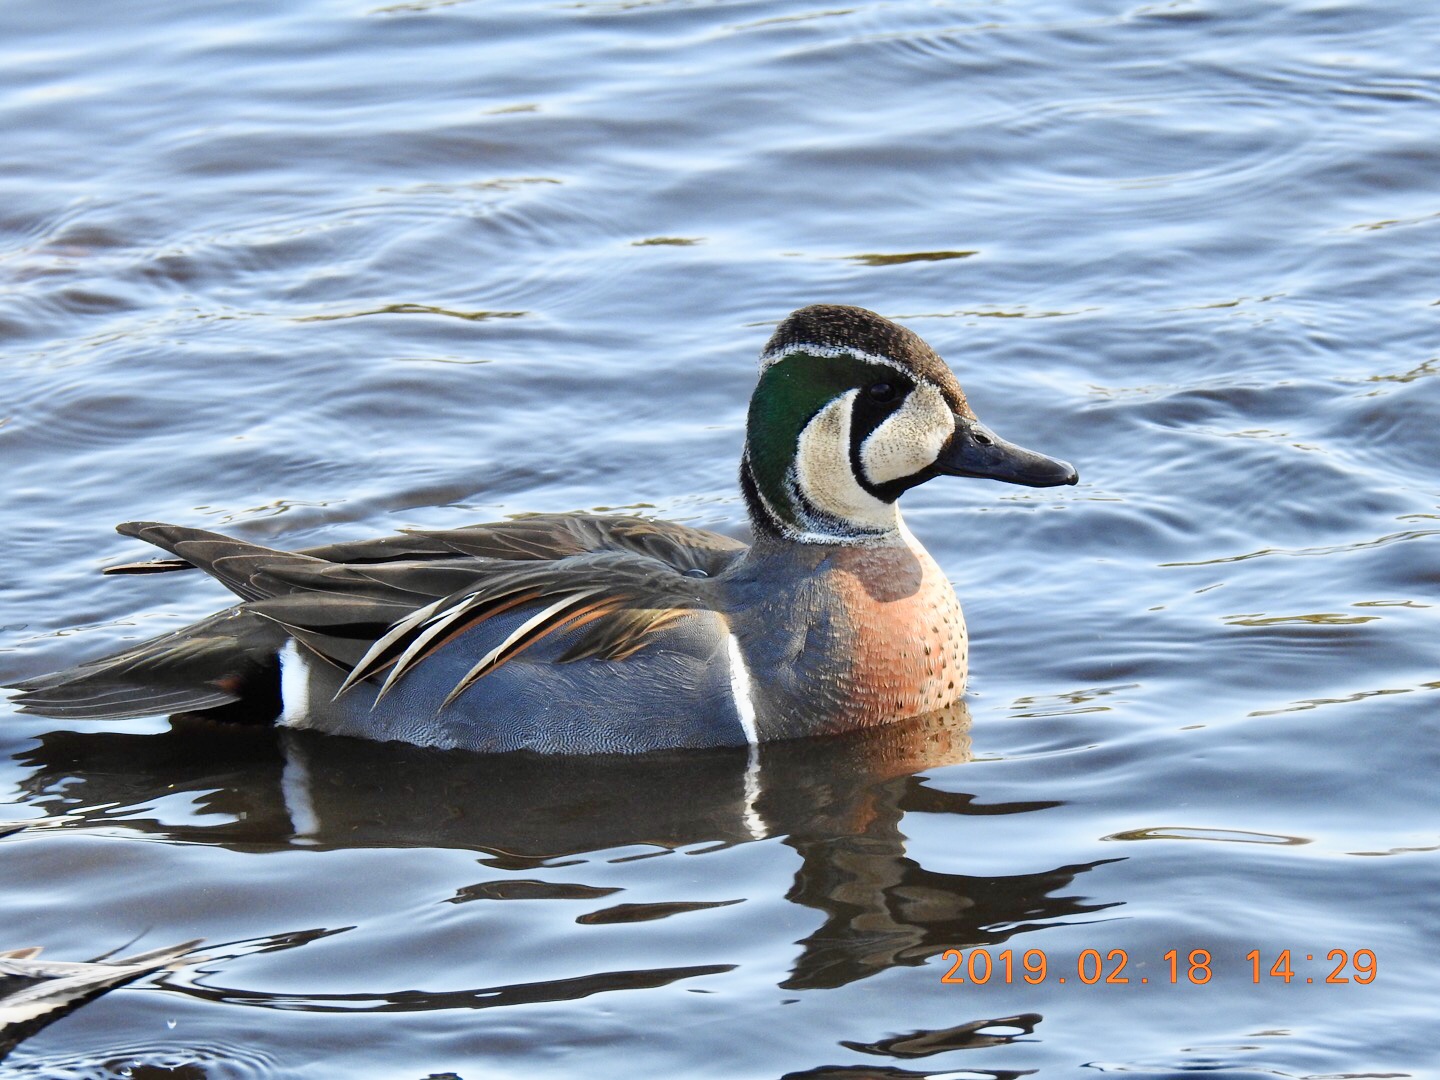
<point>294,686</point>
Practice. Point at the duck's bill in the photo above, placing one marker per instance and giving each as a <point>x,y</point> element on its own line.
<point>975,450</point>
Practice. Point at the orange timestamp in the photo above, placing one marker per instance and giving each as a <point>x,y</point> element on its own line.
<point>978,967</point>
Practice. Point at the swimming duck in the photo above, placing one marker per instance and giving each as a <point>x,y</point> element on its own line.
<point>573,633</point>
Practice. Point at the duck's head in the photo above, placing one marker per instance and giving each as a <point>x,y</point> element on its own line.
<point>851,411</point>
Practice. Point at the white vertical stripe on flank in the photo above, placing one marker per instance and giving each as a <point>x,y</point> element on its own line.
<point>740,690</point>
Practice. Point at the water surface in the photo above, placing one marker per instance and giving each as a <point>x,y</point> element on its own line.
<point>319,270</point>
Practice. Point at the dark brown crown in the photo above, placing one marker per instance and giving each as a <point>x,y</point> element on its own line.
<point>841,326</point>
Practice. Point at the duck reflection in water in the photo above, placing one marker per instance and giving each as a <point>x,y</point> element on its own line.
<point>837,801</point>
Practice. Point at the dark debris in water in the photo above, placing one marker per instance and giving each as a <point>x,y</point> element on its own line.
<point>909,257</point>
<point>633,913</point>
<point>968,1036</point>
<point>414,309</point>
<point>34,993</point>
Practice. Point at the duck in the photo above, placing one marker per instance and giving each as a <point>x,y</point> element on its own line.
<point>598,633</point>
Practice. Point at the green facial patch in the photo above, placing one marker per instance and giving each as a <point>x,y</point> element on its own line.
<point>790,392</point>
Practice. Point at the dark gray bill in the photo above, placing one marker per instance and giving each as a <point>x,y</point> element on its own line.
<point>975,450</point>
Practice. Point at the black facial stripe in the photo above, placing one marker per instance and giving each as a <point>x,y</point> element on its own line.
<point>866,415</point>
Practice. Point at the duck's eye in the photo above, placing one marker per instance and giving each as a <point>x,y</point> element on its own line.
<point>881,391</point>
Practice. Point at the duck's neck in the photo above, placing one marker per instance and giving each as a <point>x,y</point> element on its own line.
<point>817,510</point>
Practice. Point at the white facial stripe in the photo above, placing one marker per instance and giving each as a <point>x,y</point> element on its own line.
<point>910,439</point>
<point>824,476</point>
<point>829,352</point>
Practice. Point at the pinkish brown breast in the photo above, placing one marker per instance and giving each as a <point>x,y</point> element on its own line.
<point>909,649</point>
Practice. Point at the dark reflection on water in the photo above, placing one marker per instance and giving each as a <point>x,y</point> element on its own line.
<point>289,788</point>
<point>488,997</point>
<point>838,802</point>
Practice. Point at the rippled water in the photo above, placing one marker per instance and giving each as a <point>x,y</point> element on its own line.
<point>312,271</point>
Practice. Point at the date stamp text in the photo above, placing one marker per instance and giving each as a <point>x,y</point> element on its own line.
<point>1091,966</point>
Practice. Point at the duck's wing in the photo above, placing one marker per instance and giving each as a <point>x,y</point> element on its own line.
<point>550,537</point>
<point>384,605</point>
<point>386,617</point>
<point>533,537</point>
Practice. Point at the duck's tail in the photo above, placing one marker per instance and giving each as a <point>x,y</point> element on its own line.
<point>229,659</point>
<point>227,662</point>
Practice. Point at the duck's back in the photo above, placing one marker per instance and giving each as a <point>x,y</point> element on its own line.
<point>551,632</point>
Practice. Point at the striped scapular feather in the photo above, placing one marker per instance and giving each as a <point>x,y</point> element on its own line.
<point>622,634</point>
<point>452,622</point>
<point>552,619</point>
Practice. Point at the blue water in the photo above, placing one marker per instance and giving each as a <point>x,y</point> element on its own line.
<point>313,271</point>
